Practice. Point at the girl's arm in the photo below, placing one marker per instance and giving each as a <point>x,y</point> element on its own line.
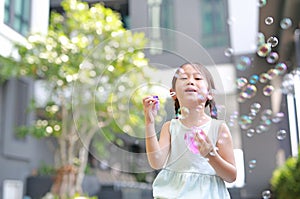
<point>157,150</point>
<point>223,160</point>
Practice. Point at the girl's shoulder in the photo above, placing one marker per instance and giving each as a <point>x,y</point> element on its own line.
<point>217,122</point>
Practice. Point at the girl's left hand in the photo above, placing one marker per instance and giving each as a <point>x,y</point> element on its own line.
<point>205,145</point>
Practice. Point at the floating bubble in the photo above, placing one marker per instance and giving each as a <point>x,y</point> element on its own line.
<point>255,107</point>
<point>233,118</point>
<point>260,38</point>
<point>266,194</point>
<point>244,63</point>
<point>245,122</point>
<point>252,164</point>
<point>241,82</point>
<point>281,134</point>
<point>268,90</point>
<point>266,122</point>
<point>201,97</point>
<point>262,3</point>
<point>273,41</point>
<point>261,128</point>
<point>281,67</point>
<point>266,114</point>
<point>252,115</point>
<point>263,50</point>
<point>250,133</point>
<point>264,77</point>
<point>234,115</point>
<point>272,73</point>
<point>285,23</point>
<point>228,52</point>
<point>269,20</point>
<point>253,79</point>
<point>278,117</point>
<point>248,91</point>
<point>272,58</point>
<point>184,112</point>
<point>241,99</point>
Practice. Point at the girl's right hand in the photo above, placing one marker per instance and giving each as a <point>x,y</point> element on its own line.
<point>150,110</point>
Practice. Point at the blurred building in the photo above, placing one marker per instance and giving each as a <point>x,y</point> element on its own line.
<point>18,157</point>
<point>212,32</point>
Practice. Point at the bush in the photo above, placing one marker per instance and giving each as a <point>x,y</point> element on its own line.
<point>285,181</point>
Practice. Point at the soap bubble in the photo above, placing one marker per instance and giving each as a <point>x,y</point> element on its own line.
<point>228,52</point>
<point>272,73</point>
<point>268,90</point>
<point>266,194</point>
<point>233,118</point>
<point>245,122</point>
<point>285,23</point>
<point>269,20</point>
<point>267,122</point>
<point>260,38</point>
<point>252,164</point>
<point>266,114</point>
<point>281,67</point>
<point>243,63</point>
<point>273,41</point>
<point>255,107</point>
<point>262,3</point>
<point>263,50</point>
<point>184,112</point>
<point>264,77</point>
<point>278,117</point>
<point>261,128</point>
<point>241,82</point>
<point>272,57</point>
<point>281,134</point>
<point>253,79</point>
<point>248,91</point>
<point>250,133</point>
<point>252,115</point>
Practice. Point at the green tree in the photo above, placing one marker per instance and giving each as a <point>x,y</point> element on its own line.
<point>81,59</point>
<point>285,181</point>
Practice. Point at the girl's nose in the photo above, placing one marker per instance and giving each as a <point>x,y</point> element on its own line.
<point>190,81</point>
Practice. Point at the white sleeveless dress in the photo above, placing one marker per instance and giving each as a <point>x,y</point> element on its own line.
<point>187,175</point>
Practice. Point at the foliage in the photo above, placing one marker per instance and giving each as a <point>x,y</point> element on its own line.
<point>87,63</point>
<point>285,180</point>
<point>46,169</point>
<point>76,196</point>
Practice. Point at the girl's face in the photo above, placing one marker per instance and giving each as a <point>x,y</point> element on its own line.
<point>191,86</point>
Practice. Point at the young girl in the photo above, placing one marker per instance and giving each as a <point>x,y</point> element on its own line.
<point>185,173</point>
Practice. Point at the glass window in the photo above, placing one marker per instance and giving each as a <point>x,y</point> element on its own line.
<point>167,21</point>
<point>17,15</point>
<point>214,32</point>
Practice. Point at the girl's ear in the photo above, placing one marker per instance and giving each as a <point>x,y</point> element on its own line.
<point>173,94</point>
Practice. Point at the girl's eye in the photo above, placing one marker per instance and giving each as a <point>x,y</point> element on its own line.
<point>198,78</point>
<point>183,77</point>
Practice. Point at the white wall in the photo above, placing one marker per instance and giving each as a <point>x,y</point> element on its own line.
<point>243,25</point>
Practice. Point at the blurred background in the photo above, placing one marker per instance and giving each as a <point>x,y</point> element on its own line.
<point>252,47</point>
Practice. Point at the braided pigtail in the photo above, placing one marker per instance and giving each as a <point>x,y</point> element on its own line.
<point>213,109</point>
<point>177,108</point>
